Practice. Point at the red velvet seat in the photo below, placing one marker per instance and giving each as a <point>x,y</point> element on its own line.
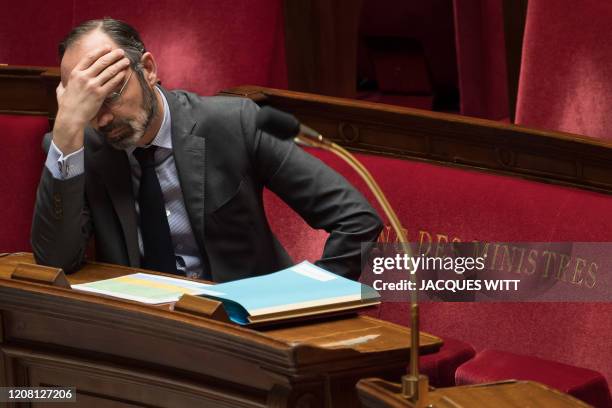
<point>440,367</point>
<point>493,365</point>
<point>205,46</point>
<point>21,165</point>
<point>437,202</point>
<point>566,67</point>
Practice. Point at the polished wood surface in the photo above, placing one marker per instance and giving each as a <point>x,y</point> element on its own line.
<point>122,353</point>
<point>375,393</point>
<point>28,90</point>
<point>447,139</point>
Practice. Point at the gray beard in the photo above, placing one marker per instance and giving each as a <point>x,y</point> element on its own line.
<point>134,129</point>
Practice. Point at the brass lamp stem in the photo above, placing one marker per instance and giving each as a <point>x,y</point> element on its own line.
<point>414,385</point>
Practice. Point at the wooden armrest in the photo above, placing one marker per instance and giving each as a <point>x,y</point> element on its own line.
<point>201,306</point>
<point>40,274</point>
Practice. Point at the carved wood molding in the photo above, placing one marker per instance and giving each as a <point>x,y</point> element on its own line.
<point>27,90</point>
<point>118,379</point>
<point>157,323</point>
<point>447,139</point>
<point>273,354</point>
<point>56,332</point>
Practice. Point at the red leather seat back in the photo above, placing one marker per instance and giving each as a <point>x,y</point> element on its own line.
<point>439,204</point>
<point>21,166</point>
<point>566,68</point>
<point>206,46</point>
<point>203,47</point>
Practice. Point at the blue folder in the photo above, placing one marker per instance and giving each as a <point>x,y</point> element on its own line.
<point>303,290</point>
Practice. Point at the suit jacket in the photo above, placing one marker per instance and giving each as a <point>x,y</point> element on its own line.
<point>223,163</point>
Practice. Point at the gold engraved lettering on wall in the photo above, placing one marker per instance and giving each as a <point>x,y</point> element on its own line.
<point>580,265</point>
<point>532,261</point>
<point>564,262</point>
<point>424,235</point>
<point>591,280</point>
<point>552,262</point>
<point>441,241</point>
<point>506,260</point>
<point>548,255</point>
<point>388,235</point>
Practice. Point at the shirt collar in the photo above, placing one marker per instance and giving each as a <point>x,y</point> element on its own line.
<point>163,138</point>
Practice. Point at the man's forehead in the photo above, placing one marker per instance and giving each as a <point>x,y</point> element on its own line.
<point>83,47</point>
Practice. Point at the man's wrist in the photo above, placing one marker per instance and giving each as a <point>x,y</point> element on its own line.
<point>68,134</point>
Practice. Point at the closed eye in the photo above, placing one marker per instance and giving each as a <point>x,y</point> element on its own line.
<point>112,97</point>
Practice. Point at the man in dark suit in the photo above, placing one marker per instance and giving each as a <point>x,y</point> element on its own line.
<point>172,181</point>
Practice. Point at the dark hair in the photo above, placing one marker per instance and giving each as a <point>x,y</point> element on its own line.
<point>123,34</point>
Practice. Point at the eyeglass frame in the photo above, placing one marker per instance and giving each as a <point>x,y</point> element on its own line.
<point>113,98</point>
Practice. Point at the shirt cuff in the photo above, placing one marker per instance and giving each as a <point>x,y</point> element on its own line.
<point>65,167</point>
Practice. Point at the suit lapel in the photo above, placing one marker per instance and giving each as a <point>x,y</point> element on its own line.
<point>189,157</point>
<point>113,168</point>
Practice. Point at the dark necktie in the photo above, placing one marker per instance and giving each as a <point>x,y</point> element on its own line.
<point>156,240</point>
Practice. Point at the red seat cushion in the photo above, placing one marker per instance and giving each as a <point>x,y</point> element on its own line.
<point>493,365</point>
<point>440,204</point>
<point>440,367</point>
<point>21,165</point>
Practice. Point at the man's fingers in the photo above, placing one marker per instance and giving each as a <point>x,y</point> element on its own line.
<point>92,57</point>
<point>113,83</point>
<point>59,91</point>
<point>104,61</point>
<point>114,69</point>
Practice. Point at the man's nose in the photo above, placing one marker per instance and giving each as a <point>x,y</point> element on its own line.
<point>104,118</point>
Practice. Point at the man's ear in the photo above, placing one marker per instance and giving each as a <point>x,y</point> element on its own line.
<point>149,67</point>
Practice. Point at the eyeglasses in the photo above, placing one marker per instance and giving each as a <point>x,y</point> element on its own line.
<point>113,98</point>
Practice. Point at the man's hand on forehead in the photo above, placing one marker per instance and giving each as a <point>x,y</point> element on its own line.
<point>97,74</point>
<point>102,64</point>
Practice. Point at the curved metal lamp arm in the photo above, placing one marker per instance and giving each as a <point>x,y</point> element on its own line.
<point>415,386</point>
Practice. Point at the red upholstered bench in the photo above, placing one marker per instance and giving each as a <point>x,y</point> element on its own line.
<point>493,365</point>
<point>440,367</point>
<point>21,165</point>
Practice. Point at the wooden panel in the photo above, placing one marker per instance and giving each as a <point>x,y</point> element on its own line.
<point>28,91</point>
<point>447,139</point>
<point>375,393</point>
<point>103,384</point>
<point>22,90</point>
<point>134,350</point>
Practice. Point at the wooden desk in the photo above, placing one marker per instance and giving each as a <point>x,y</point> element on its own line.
<point>375,393</point>
<point>124,354</point>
